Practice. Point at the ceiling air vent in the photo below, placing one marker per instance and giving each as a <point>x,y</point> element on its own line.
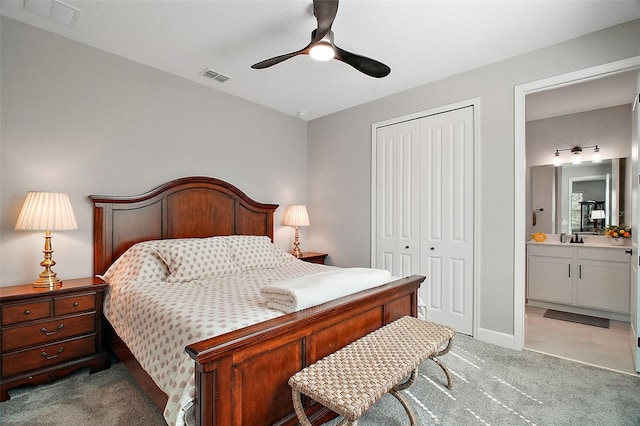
<point>213,75</point>
<point>55,10</point>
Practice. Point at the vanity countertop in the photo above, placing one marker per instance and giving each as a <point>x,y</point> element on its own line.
<point>589,241</point>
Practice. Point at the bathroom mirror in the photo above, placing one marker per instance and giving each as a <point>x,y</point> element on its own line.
<point>564,198</point>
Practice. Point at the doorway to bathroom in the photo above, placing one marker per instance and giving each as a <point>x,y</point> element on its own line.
<point>534,331</point>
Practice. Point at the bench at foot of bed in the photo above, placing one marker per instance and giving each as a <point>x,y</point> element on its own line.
<point>354,378</point>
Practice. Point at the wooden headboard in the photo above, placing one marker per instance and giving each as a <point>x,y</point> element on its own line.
<point>189,207</point>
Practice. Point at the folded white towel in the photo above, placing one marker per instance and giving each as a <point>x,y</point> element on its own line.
<point>311,290</point>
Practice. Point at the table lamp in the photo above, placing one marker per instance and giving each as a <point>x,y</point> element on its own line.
<point>597,215</point>
<point>47,211</point>
<point>296,216</point>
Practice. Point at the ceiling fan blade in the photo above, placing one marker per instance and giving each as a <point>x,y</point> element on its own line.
<point>325,12</point>
<point>363,64</point>
<point>276,60</point>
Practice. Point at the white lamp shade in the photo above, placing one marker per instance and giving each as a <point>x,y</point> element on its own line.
<point>297,216</point>
<point>597,214</point>
<point>46,211</point>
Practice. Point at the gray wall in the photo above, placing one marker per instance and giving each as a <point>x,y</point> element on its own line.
<point>79,120</point>
<point>609,128</point>
<point>340,160</point>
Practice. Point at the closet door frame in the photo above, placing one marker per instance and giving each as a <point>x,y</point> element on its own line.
<point>475,103</point>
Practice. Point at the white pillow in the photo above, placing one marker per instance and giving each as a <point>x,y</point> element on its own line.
<point>139,263</point>
<point>191,259</point>
<point>256,252</point>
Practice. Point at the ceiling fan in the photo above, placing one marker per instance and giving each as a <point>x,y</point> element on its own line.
<point>323,48</point>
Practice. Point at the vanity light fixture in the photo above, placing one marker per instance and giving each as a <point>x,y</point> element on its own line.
<point>576,155</point>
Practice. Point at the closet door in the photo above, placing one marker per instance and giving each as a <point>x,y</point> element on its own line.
<point>447,217</point>
<point>397,198</point>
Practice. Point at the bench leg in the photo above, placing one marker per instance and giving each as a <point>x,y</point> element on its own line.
<point>435,359</point>
<point>396,393</point>
<point>302,416</point>
<point>297,405</point>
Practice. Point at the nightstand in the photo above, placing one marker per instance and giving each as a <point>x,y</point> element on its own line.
<point>48,334</point>
<point>311,257</point>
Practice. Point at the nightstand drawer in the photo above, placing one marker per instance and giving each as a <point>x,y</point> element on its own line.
<point>45,356</point>
<point>74,303</point>
<point>20,312</point>
<point>44,332</point>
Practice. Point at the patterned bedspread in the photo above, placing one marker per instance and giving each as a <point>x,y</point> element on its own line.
<point>157,319</point>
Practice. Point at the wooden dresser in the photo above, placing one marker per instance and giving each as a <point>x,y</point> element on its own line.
<point>47,334</point>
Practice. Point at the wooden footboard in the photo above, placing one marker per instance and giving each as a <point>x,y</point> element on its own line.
<point>241,376</point>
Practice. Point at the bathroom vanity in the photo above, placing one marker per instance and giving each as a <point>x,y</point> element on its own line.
<point>588,279</point>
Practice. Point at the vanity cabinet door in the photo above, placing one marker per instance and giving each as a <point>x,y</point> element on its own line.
<point>604,285</point>
<point>551,279</point>
<point>603,281</point>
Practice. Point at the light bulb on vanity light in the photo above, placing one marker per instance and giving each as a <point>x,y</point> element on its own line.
<point>596,157</point>
<point>576,155</point>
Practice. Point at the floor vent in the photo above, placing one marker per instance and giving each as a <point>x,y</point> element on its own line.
<point>214,75</point>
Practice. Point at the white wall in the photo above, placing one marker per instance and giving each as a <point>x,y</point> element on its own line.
<point>340,160</point>
<point>79,120</point>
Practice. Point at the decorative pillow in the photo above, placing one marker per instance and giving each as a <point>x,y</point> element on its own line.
<point>191,259</point>
<point>256,252</point>
<point>139,263</point>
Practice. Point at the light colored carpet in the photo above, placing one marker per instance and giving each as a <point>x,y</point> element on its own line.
<point>492,386</point>
<point>106,398</point>
<point>498,386</point>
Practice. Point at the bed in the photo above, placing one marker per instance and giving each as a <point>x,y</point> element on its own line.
<point>239,377</point>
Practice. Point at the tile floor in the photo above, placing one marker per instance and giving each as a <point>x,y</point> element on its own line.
<point>605,347</point>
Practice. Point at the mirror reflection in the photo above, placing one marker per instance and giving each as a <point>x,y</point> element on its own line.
<point>583,198</point>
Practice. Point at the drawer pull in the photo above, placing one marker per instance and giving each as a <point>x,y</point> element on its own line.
<point>46,332</point>
<point>27,312</point>
<point>46,356</point>
<point>75,304</point>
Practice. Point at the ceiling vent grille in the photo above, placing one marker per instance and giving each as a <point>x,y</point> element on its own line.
<point>214,75</point>
<point>55,10</point>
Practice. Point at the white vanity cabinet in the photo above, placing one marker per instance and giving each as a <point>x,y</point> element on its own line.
<point>592,280</point>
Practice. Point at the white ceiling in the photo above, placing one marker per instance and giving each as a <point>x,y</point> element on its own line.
<point>422,41</point>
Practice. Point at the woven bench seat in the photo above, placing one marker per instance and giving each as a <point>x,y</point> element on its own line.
<point>352,379</point>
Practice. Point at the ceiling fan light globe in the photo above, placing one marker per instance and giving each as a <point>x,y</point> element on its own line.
<point>322,51</point>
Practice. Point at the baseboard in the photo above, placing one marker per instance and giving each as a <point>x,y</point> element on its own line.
<point>496,338</point>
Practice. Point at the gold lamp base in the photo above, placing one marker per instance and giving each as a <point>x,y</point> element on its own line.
<point>296,246</point>
<point>47,278</point>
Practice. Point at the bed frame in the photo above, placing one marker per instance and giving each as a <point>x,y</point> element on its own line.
<point>241,376</point>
